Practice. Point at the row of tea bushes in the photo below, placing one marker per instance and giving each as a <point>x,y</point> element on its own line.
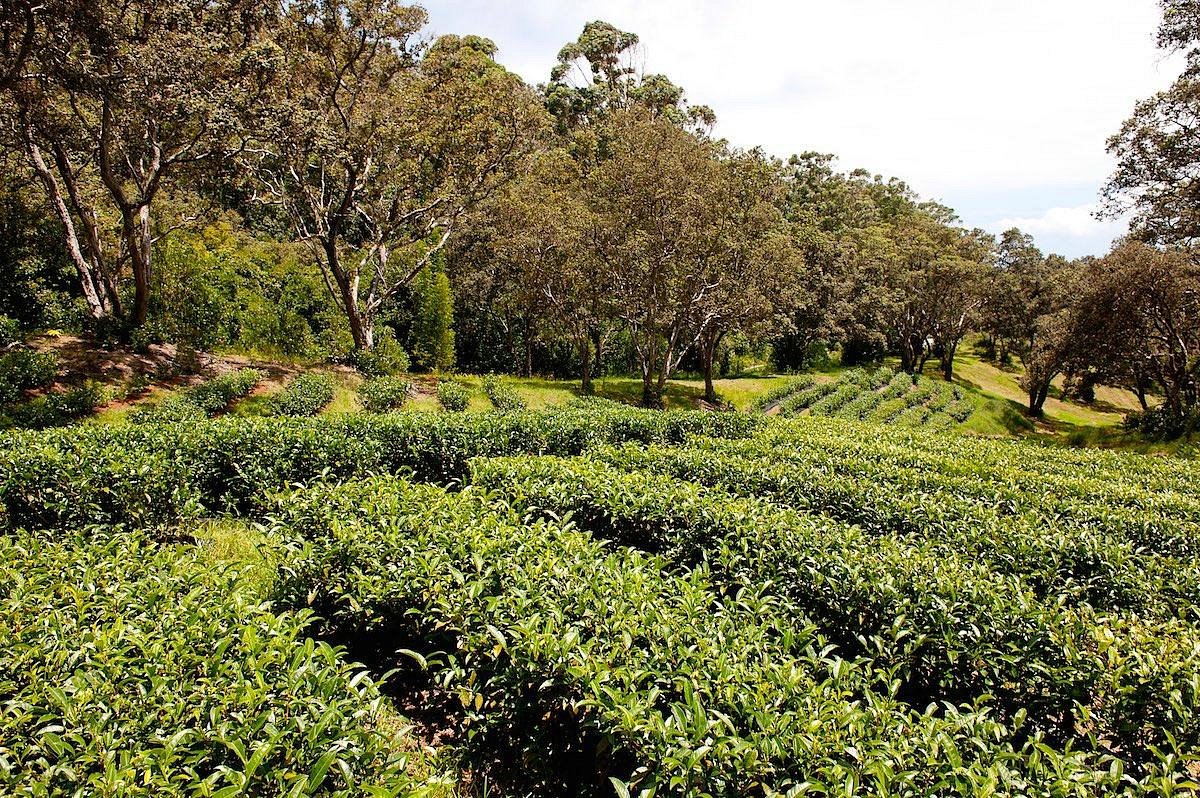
<point>1084,560</point>
<point>576,663</point>
<point>952,629</point>
<point>883,396</point>
<point>306,395</point>
<point>130,670</point>
<point>154,474</point>
<point>384,394</point>
<point>210,398</point>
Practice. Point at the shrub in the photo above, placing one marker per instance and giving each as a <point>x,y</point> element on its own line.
<point>385,358</point>
<point>25,369</point>
<point>206,399</point>
<point>152,474</point>
<point>10,331</point>
<point>783,391</point>
<point>59,408</point>
<point>381,394</point>
<point>503,397</point>
<point>1160,424</point>
<point>174,679</point>
<point>452,396</point>
<point>306,395</point>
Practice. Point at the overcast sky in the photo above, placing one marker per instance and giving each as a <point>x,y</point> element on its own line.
<point>998,108</point>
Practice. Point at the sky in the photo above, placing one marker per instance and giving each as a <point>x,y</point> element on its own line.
<point>998,108</point>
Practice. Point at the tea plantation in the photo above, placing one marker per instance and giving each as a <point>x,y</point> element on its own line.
<point>882,395</point>
<point>596,601</point>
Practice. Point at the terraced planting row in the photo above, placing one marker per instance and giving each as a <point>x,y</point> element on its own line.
<point>598,663</point>
<point>1081,560</point>
<point>591,601</point>
<point>882,395</point>
<point>129,669</point>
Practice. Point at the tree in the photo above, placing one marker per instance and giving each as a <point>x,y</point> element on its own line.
<point>117,100</point>
<point>1029,307</point>
<point>379,145</point>
<point>1140,321</point>
<point>538,225</point>
<point>1158,147</point>
<point>662,231</point>
<point>955,291</point>
<point>753,281</point>
<point>597,77</point>
<point>433,317</point>
<point>18,34</point>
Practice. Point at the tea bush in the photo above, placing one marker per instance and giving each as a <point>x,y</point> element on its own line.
<point>133,670</point>
<point>383,394</point>
<point>306,395</point>
<point>503,397</point>
<point>452,396</point>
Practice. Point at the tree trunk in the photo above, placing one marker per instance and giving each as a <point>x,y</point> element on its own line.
<point>647,390</point>
<point>708,353</point>
<point>98,292</point>
<point>585,364</point>
<point>1037,399</point>
<point>947,362</point>
<point>598,343</point>
<point>1140,392</point>
<point>137,240</point>
<point>361,327</point>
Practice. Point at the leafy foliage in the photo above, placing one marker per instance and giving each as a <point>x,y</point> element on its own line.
<point>882,395</point>
<point>207,399</point>
<point>153,474</point>
<point>132,670</point>
<point>305,395</point>
<point>453,396</point>
<point>580,662</point>
<point>502,396</point>
<point>383,394</point>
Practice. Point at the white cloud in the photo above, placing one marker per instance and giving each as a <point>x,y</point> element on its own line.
<point>1078,222</point>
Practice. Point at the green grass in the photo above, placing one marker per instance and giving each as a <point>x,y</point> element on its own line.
<point>237,541</point>
<point>345,394</point>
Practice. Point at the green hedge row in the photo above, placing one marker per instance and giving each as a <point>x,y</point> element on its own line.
<point>207,399</point>
<point>306,395</point>
<point>384,394</point>
<point>583,664</point>
<point>132,670</point>
<point>153,474</point>
<point>954,630</point>
<point>1095,555</point>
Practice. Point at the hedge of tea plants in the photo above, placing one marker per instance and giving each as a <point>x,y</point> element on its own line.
<point>596,601</point>
<point>881,395</point>
<point>129,669</point>
<point>589,666</point>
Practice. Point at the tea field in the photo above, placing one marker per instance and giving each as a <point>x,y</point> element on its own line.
<point>882,395</point>
<point>595,601</point>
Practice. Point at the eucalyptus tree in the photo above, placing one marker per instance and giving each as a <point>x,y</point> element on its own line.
<point>1158,148</point>
<point>380,143</point>
<point>114,101</point>
<point>539,223</point>
<point>673,224</point>
<point>598,75</point>
<point>1139,319</point>
<point>1029,306</point>
<point>757,275</point>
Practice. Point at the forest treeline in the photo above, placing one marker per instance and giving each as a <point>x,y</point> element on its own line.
<point>321,178</point>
